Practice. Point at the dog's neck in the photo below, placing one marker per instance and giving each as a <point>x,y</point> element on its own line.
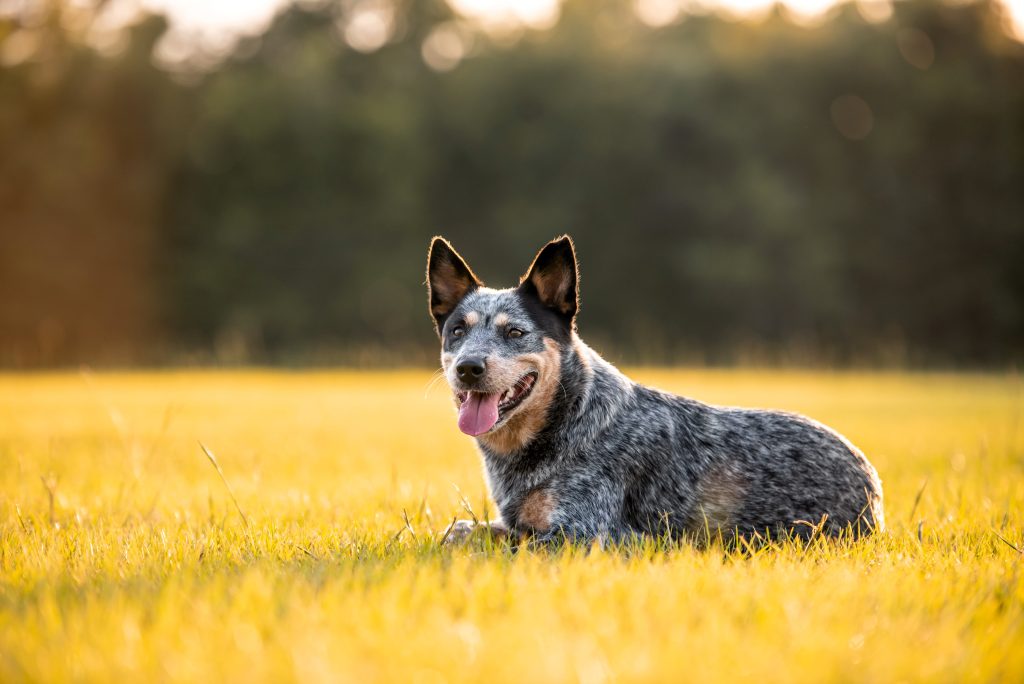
<point>521,456</point>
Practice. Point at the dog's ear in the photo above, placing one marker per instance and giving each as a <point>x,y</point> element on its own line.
<point>449,279</point>
<point>554,279</point>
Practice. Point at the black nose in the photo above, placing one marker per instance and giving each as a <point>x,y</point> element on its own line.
<point>470,370</point>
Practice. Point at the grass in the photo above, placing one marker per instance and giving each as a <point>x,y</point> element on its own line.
<point>124,557</point>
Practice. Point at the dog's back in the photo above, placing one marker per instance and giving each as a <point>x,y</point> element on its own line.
<point>745,470</point>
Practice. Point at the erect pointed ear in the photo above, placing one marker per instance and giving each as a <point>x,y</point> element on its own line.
<point>449,279</point>
<point>554,278</point>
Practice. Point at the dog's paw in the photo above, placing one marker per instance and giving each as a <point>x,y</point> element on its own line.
<point>458,532</point>
<point>461,531</point>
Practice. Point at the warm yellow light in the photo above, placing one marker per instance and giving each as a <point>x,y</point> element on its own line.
<point>875,11</point>
<point>445,47</point>
<point>224,15</point>
<point>369,25</point>
<point>1015,8</point>
<point>745,9</point>
<point>220,23</point>
<point>657,12</point>
<point>536,14</point>
<point>809,11</point>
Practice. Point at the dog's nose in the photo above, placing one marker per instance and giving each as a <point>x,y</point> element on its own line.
<point>470,370</point>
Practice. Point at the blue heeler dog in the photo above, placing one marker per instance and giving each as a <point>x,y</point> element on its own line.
<point>574,449</point>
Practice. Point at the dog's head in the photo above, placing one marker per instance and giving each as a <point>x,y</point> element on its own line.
<point>501,349</point>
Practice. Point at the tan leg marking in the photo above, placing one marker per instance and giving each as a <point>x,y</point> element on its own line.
<point>537,510</point>
<point>533,414</point>
<point>720,494</point>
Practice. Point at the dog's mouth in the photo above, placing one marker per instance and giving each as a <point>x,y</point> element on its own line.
<point>481,411</point>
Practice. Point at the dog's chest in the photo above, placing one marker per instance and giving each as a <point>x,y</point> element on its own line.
<point>523,497</point>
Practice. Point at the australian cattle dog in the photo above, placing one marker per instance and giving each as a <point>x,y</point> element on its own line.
<point>573,449</point>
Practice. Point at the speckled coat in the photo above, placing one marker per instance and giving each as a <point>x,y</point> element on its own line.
<point>587,453</point>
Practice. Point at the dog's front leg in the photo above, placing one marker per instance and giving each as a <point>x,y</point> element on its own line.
<point>461,531</point>
<point>582,513</point>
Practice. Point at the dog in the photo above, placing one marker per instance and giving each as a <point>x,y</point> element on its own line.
<point>574,450</point>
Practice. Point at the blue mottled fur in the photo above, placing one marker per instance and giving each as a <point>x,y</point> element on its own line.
<point>602,457</point>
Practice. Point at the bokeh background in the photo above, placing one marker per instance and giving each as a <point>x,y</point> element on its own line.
<point>748,183</point>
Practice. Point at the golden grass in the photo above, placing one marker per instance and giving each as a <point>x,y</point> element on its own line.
<point>143,570</point>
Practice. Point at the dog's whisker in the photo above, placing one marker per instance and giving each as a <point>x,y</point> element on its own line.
<point>430,387</point>
<point>436,376</point>
<point>565,394</point>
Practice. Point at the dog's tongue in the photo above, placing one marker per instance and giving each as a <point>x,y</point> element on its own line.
<point>478,413</point>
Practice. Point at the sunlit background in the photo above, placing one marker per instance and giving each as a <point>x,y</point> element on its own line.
<point>749,182</point>
<point>217,25</point>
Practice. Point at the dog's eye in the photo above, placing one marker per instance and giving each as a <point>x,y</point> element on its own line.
<point>514,333</point>
<point>458,331</point>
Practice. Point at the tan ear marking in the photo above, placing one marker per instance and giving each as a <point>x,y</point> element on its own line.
<point>553,286</point>
<point>448,287</point>
<point>449,278</point>
<point>554,275</point>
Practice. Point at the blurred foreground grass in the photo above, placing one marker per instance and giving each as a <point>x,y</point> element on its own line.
<point>123,558</point>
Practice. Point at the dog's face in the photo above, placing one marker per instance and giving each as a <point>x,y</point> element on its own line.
<point>501,349</point>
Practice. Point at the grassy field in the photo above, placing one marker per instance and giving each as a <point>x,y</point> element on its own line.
<point>124,558</point>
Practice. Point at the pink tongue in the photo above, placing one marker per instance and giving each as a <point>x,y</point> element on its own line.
<point>478,413</point>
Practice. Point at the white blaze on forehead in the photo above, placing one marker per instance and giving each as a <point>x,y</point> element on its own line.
<point>472,318</point>
<point>501,319</point>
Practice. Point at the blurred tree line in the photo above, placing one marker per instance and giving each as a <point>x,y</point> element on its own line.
<point>739,192</point>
